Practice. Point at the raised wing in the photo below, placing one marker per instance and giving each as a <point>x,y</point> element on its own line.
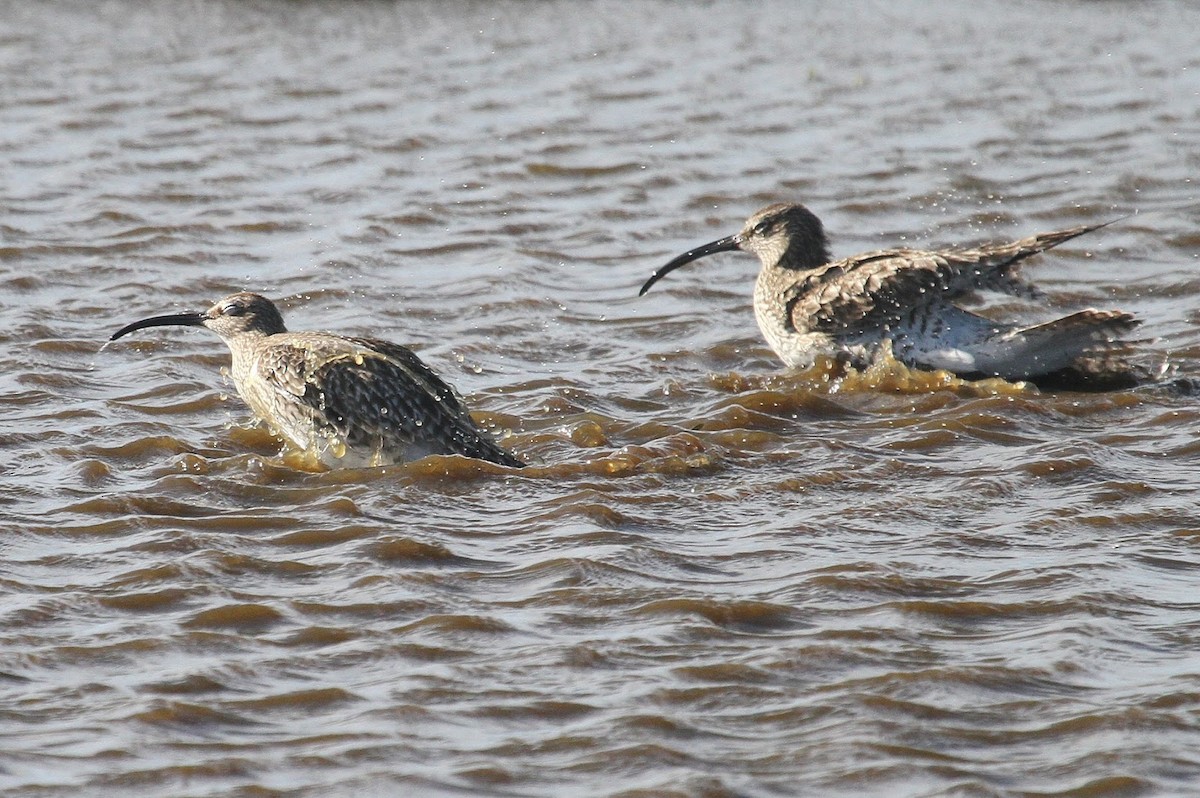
<point>879,289</point>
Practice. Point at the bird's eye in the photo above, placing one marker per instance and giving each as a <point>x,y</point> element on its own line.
<point>234,309</point>
<point>763,227</point>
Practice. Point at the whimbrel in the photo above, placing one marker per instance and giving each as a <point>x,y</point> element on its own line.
<point>808,305</point>
<point>352,401</point>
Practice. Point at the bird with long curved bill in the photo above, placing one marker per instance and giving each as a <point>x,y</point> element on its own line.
<point>807,305</point>
<point>351,401</point>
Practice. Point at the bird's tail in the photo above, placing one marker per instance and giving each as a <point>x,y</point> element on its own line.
<point>1088,343</point>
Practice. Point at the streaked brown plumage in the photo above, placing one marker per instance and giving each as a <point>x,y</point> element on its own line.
<point>352,401</point>
<point>807,305</point>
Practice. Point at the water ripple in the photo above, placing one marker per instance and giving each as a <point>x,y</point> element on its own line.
<point>714,578</point>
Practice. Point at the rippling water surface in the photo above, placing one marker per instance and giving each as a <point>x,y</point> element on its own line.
<point>716,578</point>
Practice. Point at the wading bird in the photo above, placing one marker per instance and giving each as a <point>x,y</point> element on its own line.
<point>808,305</point>
<point>350,401</point>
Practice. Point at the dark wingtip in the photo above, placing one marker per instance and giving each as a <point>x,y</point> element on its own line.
<point>1113,221</point>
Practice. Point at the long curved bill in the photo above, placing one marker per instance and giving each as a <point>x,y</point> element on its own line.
<point>173,320</point>
<point>720,245</point>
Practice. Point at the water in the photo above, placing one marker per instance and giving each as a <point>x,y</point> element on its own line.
<point>715,578</point>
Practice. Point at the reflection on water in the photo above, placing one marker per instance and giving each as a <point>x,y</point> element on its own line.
<point>715,577</point>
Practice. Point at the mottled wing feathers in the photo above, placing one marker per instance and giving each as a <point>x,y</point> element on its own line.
<point>867,290</point>
<point>877,289</point>
<point>420,373</point>
<point>284,368</point>
<point>375,395</point>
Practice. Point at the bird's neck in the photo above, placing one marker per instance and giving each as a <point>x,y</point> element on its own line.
<point>244,349</point>
<point>801,258</point>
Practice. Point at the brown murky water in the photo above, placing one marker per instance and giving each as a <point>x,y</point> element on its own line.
<point>716,578</point>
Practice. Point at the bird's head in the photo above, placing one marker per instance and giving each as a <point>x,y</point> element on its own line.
<point>234,316</point>
<point>785,234</point>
